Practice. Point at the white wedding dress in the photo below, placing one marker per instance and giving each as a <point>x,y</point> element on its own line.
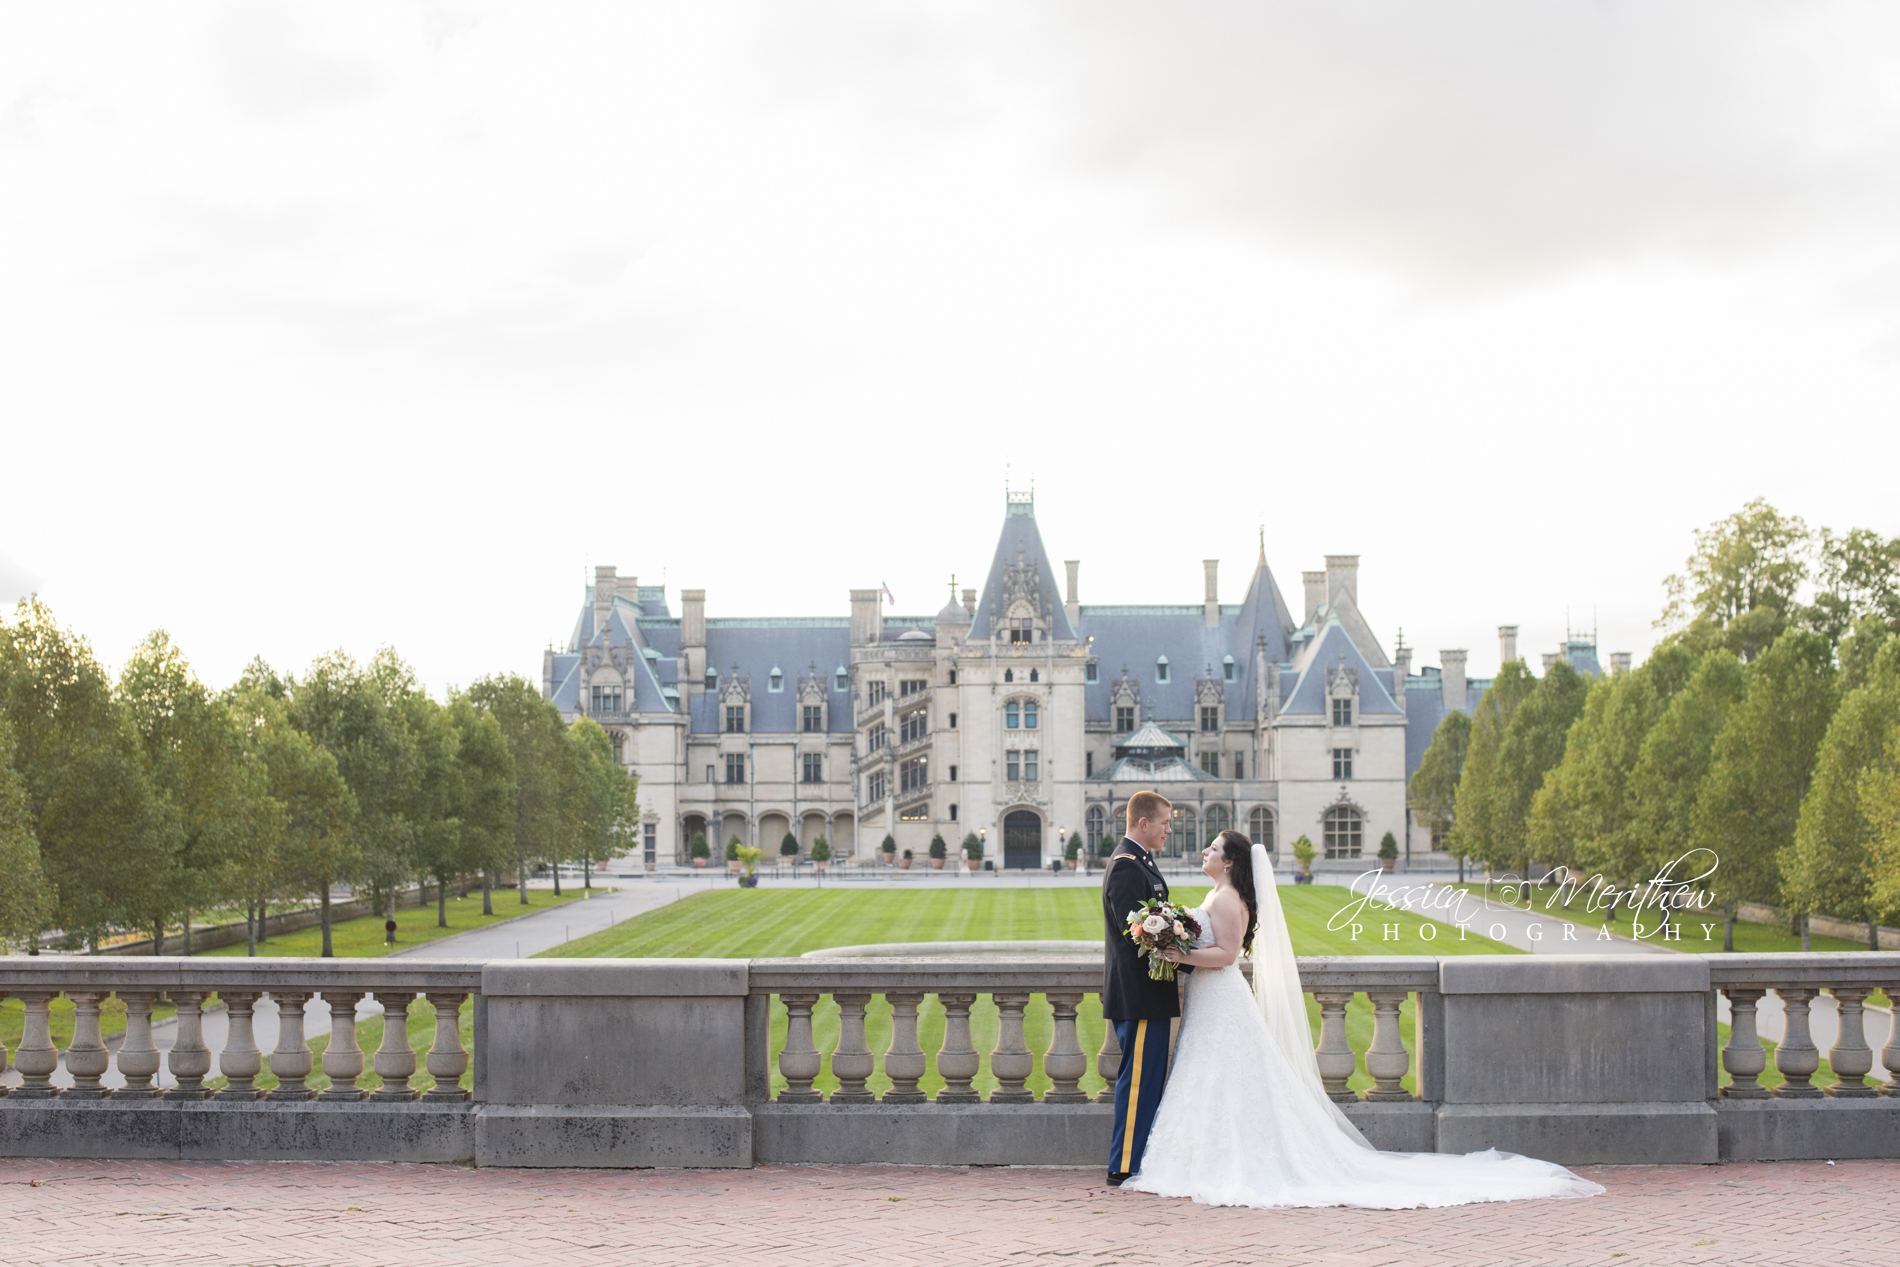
<point>1245,1119</point>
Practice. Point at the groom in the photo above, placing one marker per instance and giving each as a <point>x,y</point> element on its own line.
<point>1139,1008</point>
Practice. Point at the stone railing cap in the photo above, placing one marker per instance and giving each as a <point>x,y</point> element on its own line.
<point>1573,974</point>
<point>535,978</point>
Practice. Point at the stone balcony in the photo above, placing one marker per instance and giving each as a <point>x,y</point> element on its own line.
<point>1579,1059</point>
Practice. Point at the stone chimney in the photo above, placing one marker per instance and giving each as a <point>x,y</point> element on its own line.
<point>1507,643</point>
<point>628,587</point>
<point>547,673</point>
<point>1342,577</point>
<point>1550,658</point>
<point>1315,583</point>
<point>1451,668</point>
<point>864,618</point>
<point>693,638</point>
<point>604,588</point>
<point>1210,601</point>
<point>969,603</point>
<point>1619,662</point>
<point>1072,604</point>
<point>1401,665</point>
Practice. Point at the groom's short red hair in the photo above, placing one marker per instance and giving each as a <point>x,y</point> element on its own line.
<point>1149,805</point>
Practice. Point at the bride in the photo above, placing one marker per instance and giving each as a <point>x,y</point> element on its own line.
<point>1245,1120</point>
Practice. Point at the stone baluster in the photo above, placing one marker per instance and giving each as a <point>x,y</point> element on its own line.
<point>189,1060</point>
<point>1387,1060</point>
<point>957,1062</point>
<point>138,1058</point>
<point>448,1060</point>
<point>851,1062</point>
<point>1010,1062</point>
<point>240,1062</point>
<point>1108,1061</point>
<point>395,1058</point>
<point>36,1057</point>
<point>799,1062</point>
<point>904,1059</point>
<point>1890,1054</point>
<point>290,1059</point>
<point>1850,1057</point>
<point>87,1058</point>
<point>1065,1062</point>
<point>1744,1057</point>
<point>1335,1056</point>
<point>343,1058</point>
<point>1796,1058</point>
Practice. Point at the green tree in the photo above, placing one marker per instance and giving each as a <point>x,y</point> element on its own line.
<point>537,740</point>
<point>88,798</point>
<point>1580,816</point>
<point>25,901</point>
<point>1434,785</point>
<point>213,795</point>
<point>604,803</point>
<point>1761,768</point>
<point>1830,867</point>
<point>487,788</point>
<point>1857,578</point>
<point>1880,803</point>
<point>1517,736</point>
<point>438,844</point>
<point>1673,765</point>
<point>1738,589</point>
<point>1477,808</point>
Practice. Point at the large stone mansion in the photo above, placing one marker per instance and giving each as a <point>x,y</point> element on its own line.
<point>1016,713</point>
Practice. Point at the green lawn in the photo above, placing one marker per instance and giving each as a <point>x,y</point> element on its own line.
<point>362,938</point>
<point>759,923</point>
<point>1701,930</point>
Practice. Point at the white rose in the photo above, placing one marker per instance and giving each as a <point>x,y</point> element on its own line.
<point>1178,930</point>
<point>1154,924</point>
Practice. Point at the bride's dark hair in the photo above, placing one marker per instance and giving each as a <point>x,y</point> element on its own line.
<point>1237,849</point>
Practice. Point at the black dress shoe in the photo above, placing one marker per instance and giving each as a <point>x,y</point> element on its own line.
<point>1115,1180</point>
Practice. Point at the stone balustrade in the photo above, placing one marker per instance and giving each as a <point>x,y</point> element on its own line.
<point>940,1059</point>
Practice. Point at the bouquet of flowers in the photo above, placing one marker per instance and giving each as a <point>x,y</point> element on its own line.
<point>1155,926</point>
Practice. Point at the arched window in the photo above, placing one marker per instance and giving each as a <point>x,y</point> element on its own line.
<point>1121,822</point>
<point>1161,669</point>
<point>1184,839</point>
<point>1260,827</point>
<point>1009,675</point>
<point>1035,675</point>
<point>840,680</point>
<point>1344,832</point>
<point>1227,668</point>
<point>712,679</point>
<point>1097,824</point>
<point>1218,821</point>
<point>778,679</point>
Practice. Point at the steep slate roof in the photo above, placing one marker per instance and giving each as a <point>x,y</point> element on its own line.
<point>1020,538</point>
<point>1425,709</point>
<point>791,643</point>
<point>1335,647</point>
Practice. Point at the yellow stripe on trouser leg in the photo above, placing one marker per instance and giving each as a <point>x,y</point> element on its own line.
<point>1134,1095</point>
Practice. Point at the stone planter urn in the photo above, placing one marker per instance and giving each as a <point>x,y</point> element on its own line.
<point>975,864</point>
<point>734,866</point>
<point>936,864</point>
<point>1074,863</point>
<point>700,863</point>
<point>820,866</point>
<point>652,867</point>
<point>889,858</point>
<point>903,864</point>
<point>1388,863</point>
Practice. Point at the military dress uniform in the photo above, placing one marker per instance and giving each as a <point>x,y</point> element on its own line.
<point>1140,1008</point>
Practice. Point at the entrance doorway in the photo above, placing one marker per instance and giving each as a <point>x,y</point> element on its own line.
<point>1022,840</point>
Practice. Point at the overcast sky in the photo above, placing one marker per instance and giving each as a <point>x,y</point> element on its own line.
<point>341,325</point>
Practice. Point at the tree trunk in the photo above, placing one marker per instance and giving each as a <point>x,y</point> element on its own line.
<point>521,878</point>
<point>187,930</point>
<point>263,919</point>
<point>1804,932</point>
<point>587,874</point>
<point>250,929</point>
<point>1461,868</point>
<point>441,901</point>
<point>158,937</point>
<point>488,892</point>
<point>389,935</point>
<point>1873,932</point>
<point>557,878</point>
<point>1728,931</point>
<point>323,917</point>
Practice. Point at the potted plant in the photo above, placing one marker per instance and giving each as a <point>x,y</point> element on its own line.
<point>1303,852</point>
<point>788,850</point>
<point>1388,851</point>
<point>973,852</point>
<point>698,849</point>
<point>1106,849</point>
<point>732,855</point>
<point>1072,852</point>
<point>888,848</point>
<point>938,852</point>
<point>904,864</point>
<point>749,860</point>
<point>820,854</point>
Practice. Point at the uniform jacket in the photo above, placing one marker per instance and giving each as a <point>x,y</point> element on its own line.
<point>1128,994</point>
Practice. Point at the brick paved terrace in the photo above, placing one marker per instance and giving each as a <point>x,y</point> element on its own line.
<point>157,1213</point>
